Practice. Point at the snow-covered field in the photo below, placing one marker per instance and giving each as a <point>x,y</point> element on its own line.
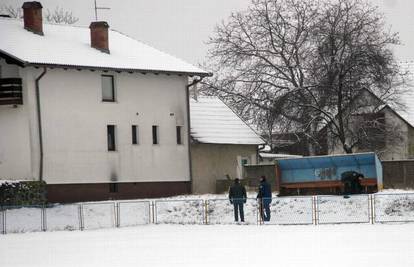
<point>356,245</point>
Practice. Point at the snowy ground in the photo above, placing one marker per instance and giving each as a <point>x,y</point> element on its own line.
<point>356,245</point>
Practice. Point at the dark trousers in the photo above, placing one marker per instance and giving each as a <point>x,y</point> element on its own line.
<point>265,209</point>
<point>238,206</point>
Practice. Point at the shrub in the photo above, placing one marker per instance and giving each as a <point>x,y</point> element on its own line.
<point>22,193</point>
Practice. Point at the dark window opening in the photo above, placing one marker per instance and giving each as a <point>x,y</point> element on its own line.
<point>113,188</point>
<point>135,136</point>
<point>111,137</point>
<point>155,140</point>
<point>179,135</point>
<point>108,88</point>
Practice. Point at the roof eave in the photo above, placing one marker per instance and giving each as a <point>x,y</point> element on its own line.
<point>80,67</point>
<point>12,59</point>
<point>21,63</point>
<point>226,143</point>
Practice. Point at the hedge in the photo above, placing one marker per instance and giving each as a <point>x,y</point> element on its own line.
<point>22,193</point>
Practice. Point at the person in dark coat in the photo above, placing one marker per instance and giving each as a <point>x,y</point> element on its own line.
<point>237,197</point>
<point>264,196</point>
<point>352,182</point>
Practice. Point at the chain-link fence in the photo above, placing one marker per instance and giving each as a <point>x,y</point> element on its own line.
<point>133,213</point>
<point>98,215</point>
<point>221,211</point>
<point>188,211</point>
<point>290,210</point>
<point>63,217</point>
<point>377,208</point>
<point>337,209</point>
<point>393,207</point>
<point>21,219</point>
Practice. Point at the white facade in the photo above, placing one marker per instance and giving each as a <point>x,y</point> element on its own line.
<point>74,124</point>
<point>399,146</point>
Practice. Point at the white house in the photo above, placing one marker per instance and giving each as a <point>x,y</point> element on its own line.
<point>91,111</point>
<point>397,138</point>
<point>221,144</point>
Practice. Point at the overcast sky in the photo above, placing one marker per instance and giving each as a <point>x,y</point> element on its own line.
<point>181,27</point>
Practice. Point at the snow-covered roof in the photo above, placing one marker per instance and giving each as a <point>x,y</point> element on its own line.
<point>69,46</point>
<point>278,156</point>
<point>214,122</point>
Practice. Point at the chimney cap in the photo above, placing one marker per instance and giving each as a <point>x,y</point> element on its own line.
<point>33,4</point>
<point>97,24</point>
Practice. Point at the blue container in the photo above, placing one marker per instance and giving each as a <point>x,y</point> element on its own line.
<point>327,169</point>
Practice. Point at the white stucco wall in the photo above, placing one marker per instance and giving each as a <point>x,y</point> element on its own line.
<point>212,162</point>
<point>75,127</point>
<point>397,146</point>
<point>15,149</point>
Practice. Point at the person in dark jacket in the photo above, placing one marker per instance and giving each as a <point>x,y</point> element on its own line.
<point>237,197</point>
<point>264,196</point>
<point>352,182</point>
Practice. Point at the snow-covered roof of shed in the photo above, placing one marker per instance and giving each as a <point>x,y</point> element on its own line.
<point>64,45</point>
<point>213,122</point>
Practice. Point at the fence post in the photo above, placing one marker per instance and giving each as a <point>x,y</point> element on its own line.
<point>81,222</point>
<point>154,220</point>
<point>260,211</point>
<point>3,220</point>
<point>44,219</point>
<point>314,210</point>
<point>149,212</point>
<point>117,214</point>
<point>206,210</point>
<point>372,205</point>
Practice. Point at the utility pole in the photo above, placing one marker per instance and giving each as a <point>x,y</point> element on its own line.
<point>96,10</point>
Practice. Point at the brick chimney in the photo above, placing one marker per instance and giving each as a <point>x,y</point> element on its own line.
<point>99,36</point>
<point>32,16</point>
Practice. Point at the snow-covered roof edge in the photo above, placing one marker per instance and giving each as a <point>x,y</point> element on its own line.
<point>248,125</point>
<point>23,63</point>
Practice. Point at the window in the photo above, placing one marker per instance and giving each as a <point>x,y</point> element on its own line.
<point>135,135</point>
<point>113,188</point>
<point>179,135</point>
<point>155,134</point>
<point>111,137</point>
<point>108,88</point>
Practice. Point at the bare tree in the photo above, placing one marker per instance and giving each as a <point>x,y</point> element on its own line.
<point>61,16</point>
<point>307,62</point>
<point>13,12</point>
<point>58,15</point>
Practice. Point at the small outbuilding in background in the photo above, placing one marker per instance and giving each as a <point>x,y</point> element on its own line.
<point>322,174</point>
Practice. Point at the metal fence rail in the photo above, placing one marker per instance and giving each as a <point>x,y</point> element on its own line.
<point>376,208</point>
<point>393,207</point>
<point>337,209</point>
<point>186,211</point>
